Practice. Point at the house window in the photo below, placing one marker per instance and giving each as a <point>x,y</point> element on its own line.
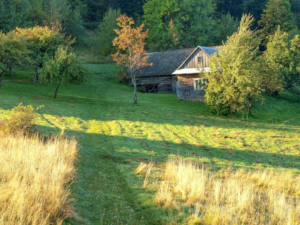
<point>200,83</point>
<point>200,61</point>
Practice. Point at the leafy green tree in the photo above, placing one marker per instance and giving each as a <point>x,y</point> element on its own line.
<point>277,56</point>
<point>236,79</point>
<point>41,41</point>
<point>13,14</point>
<point>277,13</point>
<point>64,68</point>
<point>192,21</point>
<point>73,25</point>
<point>226,26</point>
<point>295,8</point>
<point>13,51</point>
<point>56,11</point>
<point>106,33</point>
<point>284,56</point>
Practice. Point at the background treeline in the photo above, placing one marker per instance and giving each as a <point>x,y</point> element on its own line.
<point>172,24</point>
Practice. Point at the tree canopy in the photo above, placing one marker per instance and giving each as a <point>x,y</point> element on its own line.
<point>131,48</point>
<point>63,68</point>
<point>238,73</point>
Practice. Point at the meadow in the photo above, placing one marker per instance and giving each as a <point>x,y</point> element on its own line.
<point>118,141</point>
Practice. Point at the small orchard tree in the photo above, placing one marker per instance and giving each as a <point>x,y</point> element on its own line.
<point>13,51</point>
<point>42,42</point>
<point>131,48</point>
<point>237,77</point>
<point>64,68</point>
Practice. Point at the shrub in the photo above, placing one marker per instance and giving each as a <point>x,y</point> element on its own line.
<point>19,120</point>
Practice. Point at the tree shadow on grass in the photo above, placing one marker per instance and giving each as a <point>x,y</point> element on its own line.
<point>118,156</point>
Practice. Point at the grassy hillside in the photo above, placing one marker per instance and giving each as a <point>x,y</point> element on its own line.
<point>115,137</point>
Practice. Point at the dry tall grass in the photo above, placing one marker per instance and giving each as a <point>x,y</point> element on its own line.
<point>229,197</point>
<point>34,178</point>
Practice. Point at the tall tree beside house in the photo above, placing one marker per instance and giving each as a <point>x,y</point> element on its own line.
<point>131,48</point>
<point>63,68</point>
<point>237,74</point>
<point>277,13</point>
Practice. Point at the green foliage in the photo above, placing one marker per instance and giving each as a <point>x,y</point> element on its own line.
<point>237,77</point>
<point>192,22</point>
<point>13,51</point>
<point>105,32</point>
<point>284,57</point>
<point>277,13</point>
<point>42,42</point>
<point>115,137</point>
<point>73,25</point>
<point>13,13</point>
<point>19,120</point>
<point>64,68</point>
<point>226,26</point>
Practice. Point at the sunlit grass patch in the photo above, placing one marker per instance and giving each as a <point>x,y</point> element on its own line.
<point>226,196</point>
<point>35,172</point>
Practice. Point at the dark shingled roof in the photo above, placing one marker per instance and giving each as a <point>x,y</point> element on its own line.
<point>165,63</point>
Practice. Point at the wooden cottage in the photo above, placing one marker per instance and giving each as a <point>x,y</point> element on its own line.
<point>178,71</point>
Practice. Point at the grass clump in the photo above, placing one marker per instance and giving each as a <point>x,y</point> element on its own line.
<point>34,172</point>
<point>227,196</point>
<point>19,120</point>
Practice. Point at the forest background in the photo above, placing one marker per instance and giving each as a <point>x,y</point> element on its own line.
<point>172,24</point>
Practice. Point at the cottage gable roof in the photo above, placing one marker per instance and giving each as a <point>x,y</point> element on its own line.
<point>209,51</point>
<point>165,63</point>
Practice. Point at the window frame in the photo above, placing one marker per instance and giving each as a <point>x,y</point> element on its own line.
<point>195,85</point>
<point>200,62</point>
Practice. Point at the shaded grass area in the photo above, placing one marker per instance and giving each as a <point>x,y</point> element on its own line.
<point>115,137</point>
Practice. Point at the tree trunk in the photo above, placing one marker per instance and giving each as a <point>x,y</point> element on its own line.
<point>134,89</point>
<point>55,93</point>
<point>11,73</point>
<point>249,110</point>
<point>2,76</point>
<point>36,76</point>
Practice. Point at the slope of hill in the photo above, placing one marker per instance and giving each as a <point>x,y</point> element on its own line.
<point>115,137</point>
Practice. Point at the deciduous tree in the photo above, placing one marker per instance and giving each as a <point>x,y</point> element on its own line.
<point>131,48</point>
<point>13,51</point>
<point>284,56</point>
<point>41,41</point>
<point>237,77</point>
<point>277,13</point>
<point>64,68</point>
<point>192,21</point>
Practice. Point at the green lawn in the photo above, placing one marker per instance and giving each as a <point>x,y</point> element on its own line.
<point>115,136</point>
